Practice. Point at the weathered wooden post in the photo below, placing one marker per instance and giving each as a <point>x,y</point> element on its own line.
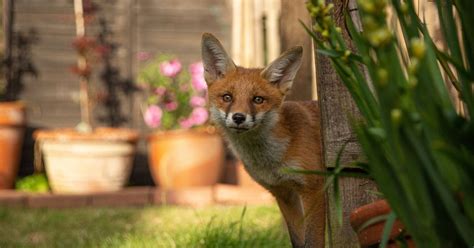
<point>292,34</point>
<point>337,107</point>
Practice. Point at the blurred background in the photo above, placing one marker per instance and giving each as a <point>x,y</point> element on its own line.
<point>39,35</point>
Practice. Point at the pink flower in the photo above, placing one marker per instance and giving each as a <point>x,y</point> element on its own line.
<point>170,106</point>
<point>143,56</point>
<point>186,123</point>
<point>197,76</point>
<point>198,82</point>
<point>196,68</point>
<point>199,116</point>
<point>160,90</point>
<point>197,101</point>
<point>153,116</point>
<point>170,68</point>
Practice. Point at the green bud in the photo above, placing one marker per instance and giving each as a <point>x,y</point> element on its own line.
<point>317,28</point>
<point>369,23</point>
<point>326,10</point>
<point>382,76</point>
<point>413,66</point>
<point>338,29</point>
<point>412,82</point>
<point>367,6</point>
<point>380,4</point>
<point>329,7</point>
<point>380,37</point>
<point>327,20</point>
<point>325,33</point>
<point>346,55</point>
<point>404,8</point>
<point>378,133</point>
<point>396,116</point>
<point>315,11</point>
<point>418,48</point>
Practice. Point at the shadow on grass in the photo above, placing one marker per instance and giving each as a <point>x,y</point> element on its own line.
<point>258,226</point>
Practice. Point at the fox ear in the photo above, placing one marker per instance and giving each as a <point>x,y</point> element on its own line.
<point>282,71</point>
<point>215,59</point>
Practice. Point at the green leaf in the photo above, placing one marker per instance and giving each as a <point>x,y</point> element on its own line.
<point>387,229</point>
<point>330,53</point>
<point>337,201</point>
<point>372,221</point>
<point>309,31</point>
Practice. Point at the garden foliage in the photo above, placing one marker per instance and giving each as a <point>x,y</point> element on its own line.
<point>419,147</point>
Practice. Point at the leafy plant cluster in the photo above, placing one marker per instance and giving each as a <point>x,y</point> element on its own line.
<point>420,149</point>
<point>176,97</point>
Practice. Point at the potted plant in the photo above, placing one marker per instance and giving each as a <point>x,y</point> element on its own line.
<point>87,159</point>
<point>16,63</point>
<point>12,129</point>
<point>419,146</point>
<point>183,150</point>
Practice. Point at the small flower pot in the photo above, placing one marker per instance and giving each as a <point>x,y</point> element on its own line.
<point>185,158</point>
<point>370,236</point>
<point>77,163</point>
<point>12,130</point>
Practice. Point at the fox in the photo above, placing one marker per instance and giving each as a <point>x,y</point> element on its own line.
<point>269,134</point>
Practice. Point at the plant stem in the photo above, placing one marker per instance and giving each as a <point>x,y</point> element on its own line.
<point>82,65</point>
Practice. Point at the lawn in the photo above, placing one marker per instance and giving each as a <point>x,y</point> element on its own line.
<point>218,226</point>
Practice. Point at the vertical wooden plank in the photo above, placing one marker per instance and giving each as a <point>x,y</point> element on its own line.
<point>354,192</point>
<point>337,108</point>
<point>292,34</point>
<point>7,21</point>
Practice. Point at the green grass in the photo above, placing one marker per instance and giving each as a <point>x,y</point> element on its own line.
<point>219,226</point>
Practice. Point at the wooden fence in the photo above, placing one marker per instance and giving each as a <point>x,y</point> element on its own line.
<point>164,26</point>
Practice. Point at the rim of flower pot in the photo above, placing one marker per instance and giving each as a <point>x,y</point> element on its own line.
<point>99,134</point>
<point>364,213</point>
<point>13,104</point>
<point>199,131</point>
<point>12,113</point>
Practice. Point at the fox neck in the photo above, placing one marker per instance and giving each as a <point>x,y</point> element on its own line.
<point>262,152</point>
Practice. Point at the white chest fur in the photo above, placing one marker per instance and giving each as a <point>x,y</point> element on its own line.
<point>262,156</point>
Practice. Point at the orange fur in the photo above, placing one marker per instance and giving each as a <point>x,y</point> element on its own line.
<point>271,135</point>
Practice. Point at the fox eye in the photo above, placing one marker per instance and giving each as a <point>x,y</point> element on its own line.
<point>258,100</point>
<point>227,98</point>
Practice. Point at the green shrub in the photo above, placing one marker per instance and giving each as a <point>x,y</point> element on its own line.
<point>33,183</point>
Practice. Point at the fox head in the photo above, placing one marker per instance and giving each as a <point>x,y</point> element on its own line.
<point>242,99</point>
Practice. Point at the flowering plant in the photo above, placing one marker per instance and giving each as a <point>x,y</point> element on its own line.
<point>176,97</point>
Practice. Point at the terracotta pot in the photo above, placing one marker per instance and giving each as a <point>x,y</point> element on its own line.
<point>77,163</point>
<point>185,158</point>
<point>371,235</point>
<point>12,130</point>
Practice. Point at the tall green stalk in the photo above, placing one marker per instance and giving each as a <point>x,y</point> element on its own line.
<point>420,151</point>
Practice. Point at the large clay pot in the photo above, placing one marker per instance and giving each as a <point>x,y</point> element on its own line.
<point>12,130</point>
<point>185,158</point>
<point>100,161</point>
<point>371,235</point>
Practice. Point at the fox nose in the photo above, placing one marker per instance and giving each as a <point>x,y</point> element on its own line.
<point>238,118</point>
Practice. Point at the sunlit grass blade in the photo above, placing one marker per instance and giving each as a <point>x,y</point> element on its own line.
<point>387,229</point>
<point>372,221</point>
